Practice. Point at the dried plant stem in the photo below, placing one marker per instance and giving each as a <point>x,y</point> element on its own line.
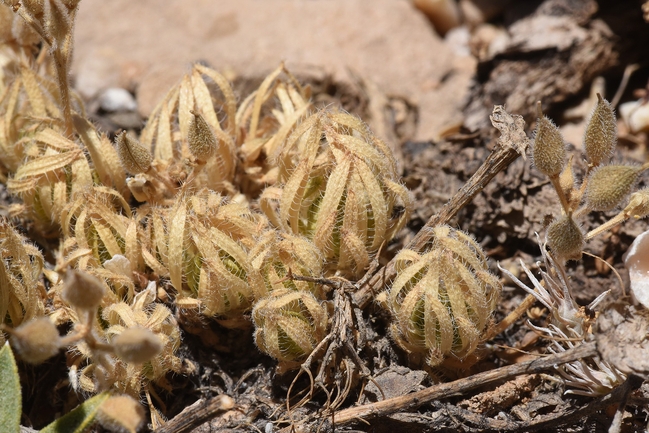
<point>412,401</point>
<point>562,196</point>
<point>512,143</point>
<point>61,63</point>
<point>511,317</point>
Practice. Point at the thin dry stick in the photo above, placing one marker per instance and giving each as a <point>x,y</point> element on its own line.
<point>197,414</point>
<point>412,401</point>
<point>511,144</point>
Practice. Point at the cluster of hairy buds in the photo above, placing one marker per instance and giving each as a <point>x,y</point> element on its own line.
<point>604,187</point>
<point>339,188</point>
<point>568,326</point>
<point>443,298</point>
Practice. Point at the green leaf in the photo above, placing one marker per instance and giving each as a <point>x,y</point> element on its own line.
<point>10,396</point>
<point>79,419</point>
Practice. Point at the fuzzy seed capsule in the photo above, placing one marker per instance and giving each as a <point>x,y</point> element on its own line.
<point>608,185</point>
<point>137,345</point>
<point>201,139</point>
<point>600,137</point>
<point>82,290</point>
<point>121,413</point>
<point>565,238</point>
<point>135,157</point>
<point>549,150</point>
<point>36,341</point>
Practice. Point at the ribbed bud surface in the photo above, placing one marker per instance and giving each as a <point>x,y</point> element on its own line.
<point>600,137</point>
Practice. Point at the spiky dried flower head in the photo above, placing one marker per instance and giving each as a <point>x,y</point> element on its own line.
<point>173,129</point>
<point>82,290</point>
<point>99,221</point>
<point>608,185</point>
<point>600,137</point>
<point>565,238</point>
<point>549,149</point>
<point>134,157</point>
<point>278,253</point>
<point>21,265</point>
<point>137,345</point>
<point>36,341</point>
<point>442,299</point>
<point>340,189</point>
<point>201,139</point>
<point>201,244</point>
<point>638,206</point>
<point>121,414</point>
<point>289,324</point>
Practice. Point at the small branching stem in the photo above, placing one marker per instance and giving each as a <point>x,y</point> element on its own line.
<point>565,205</point>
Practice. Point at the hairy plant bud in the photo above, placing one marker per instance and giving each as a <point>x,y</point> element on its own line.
<point>137,345</point>
<point>609,185</point>
<point>600,137</point>
<point>549,150</point>
<point>121,414</point>
<point>442,299</point>
<point>36,341</point>
<point>289,324</point>
<point>638,206</point>
<point>82,290</point>
<point>200,137</point>
<point>134,157</point>
<point>565,237</point>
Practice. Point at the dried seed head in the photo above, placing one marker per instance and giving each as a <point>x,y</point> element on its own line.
<point>82,290</point>
<point>289,324</point>
<point>600,137</point>
<point>36,341</point>
<point>638,206</point>
<point>549,149</point>
<point>565,238</point>
<point>200,137</point>
<point>134,157</point>
<point>137,345</point>
<point>441,300</point>
<point>121,414</point>
<point>609,185</point>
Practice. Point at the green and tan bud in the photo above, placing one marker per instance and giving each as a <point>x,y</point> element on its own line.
<point>565,238</point>
<point>600,137</point>
<point>82,290</point>
<point>278,253</point>
<point>201,140</point>
<point>137,345</point>
<point>121,414</point>
<point>134,157</point>
<point>441,300</point>
<point>609,185</point>
<point>549,149</point>
<point>36,341</point>
<point>289,324</point>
